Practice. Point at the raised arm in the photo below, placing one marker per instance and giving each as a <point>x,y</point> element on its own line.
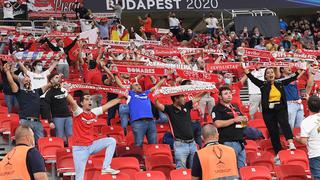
<point>289,79</point>
<point>111,103</point>
<point>51,46</point>
<point>14,87</point>
<point>72,103</point>
<point>310,82</point>
<point>254,80</point>
<point>159,105</point>
<point>54,64</point>
<point>70,46</point>
<point>158,84</point>
<point>22,67</point>
<point>243,79</point>
<point>118,81</point>
<point>198,97</point>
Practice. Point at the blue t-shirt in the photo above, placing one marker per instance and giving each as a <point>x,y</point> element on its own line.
<point>139,105</point>
<point>291,91</point>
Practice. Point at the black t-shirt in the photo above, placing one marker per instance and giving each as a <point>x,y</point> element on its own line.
<point>57,99</point>
<point>180,120</point>
<point>82,13</point>
<point>229,133</point>
<point>29,102</point>
<point>196,170</point>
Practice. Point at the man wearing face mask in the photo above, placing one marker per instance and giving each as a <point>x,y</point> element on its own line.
<point>63,65</point>
<point>235,87</point>
<point>92,75</point>
<point>56,97</point>
<point>39,79</point>
<point>29,102</point>
<point>24,161</point>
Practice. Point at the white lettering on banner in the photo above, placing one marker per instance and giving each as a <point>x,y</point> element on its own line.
<point>157,4</point>
<point>150,3</point>
<point>160,4</point>
<point>133,3</point>
<point>65,6</point>
<point>141,5</point>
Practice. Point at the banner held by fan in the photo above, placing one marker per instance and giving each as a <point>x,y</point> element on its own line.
<point>71,87</point>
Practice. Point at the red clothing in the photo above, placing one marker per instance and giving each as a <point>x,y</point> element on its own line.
<point>92,76</point>
<point>236,93</point>
<point>148,24</point>
<point>83,126</point>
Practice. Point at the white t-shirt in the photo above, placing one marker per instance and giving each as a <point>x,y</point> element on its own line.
<point>38,80</point>
<point>173,22</point>
<point>97,111</point>
<point>8,12</point>
<point>253,89</point>
<point>212,22</point>
<point>309,129</point>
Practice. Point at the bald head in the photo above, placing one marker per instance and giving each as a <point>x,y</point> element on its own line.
<point>24,135</point>
<point>209,132</point>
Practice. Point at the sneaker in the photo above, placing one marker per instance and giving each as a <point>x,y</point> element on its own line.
<point>110,171</point>
<point>292,146</point>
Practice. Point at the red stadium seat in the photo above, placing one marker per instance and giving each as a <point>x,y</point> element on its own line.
<point>257,123</point>
<point>127,165</point>
<point>163,128</point>
<point>290,172</point>
<point>265,159</point>
<point>48,147</point>
<point>266,145</point>
<point>70,141</point>
<point>115,132</point>
<point>258,115</point>
<point>130,151</point>
<point>255,173</point>
<point>98,158</point>
<point>65,165</point>
<point>130,139</point>
<point>46,127</point>
<point>296,157</point>
<point>251,146</point>
<point>93,171</point>
<point>150,175</point>
<point>120,176</point>
<point>158,150</point>
<point>180,174</point>
<point>159,163</point>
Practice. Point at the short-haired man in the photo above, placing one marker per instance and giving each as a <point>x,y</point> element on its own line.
<point>83,132</point>
<point>215,160</point>
<point>29,102</point>
<point>23,161</point>
<point>180,121</point>
<point>227,118</point>
<point>310,135</point>
<point>141,117</point>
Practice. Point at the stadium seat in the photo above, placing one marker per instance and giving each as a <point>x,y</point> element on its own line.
<point>296,157</point>
<point>130,139</point>
<point>120,176</point>
<point>163,128</point>
<point>266,145</point>
<point>251,146</point>
<point>255,173</point>
<point>130,151</point>
<point>159,163</point>
<point>65,165</point>
<point>257,123</point>
<point>150,175</point>
<point>48,147</point>
<point>92,171</point>
<point>46,128</point>
<point>258,115</point>
<point>127,165</point>
<point>98,158</point>
<point>115,132</point>
<point>180,174</point>
<point>157,150</point>
<point>265,159</point>
<point>70,141</point>
<point>290,172</point>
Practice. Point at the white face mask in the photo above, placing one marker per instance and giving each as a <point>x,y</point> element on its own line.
<point>39,68</point>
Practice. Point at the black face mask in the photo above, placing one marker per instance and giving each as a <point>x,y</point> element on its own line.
<point>92,64</point>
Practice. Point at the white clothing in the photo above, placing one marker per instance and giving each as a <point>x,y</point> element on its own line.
<point>212,22</point>
<point>253,89</point>
<point>310,127</point>
<point>174,22</point>
<point>8,12</point>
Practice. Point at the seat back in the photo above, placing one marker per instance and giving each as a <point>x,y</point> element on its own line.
<point>127,165</point>
<point>296,157</point>
<point>157,150</point>
<point>180,174</point>
<point>113,131</point>
<point>255,172</point>
<point>150,175</point>
<point>120,176</point>
<point>265,159</point>
<point>92,170</point>
<point>48,146</point>
<point>130,151</point>
<point>159,163</point>
<point>289,172</point>
<point>65,160</point>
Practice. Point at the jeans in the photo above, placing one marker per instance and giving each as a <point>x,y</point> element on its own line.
<point>141,128</point>
<point>63,126</point>
<point>163,118</point>
<point>255,104</point>
<point>63,69</point>
<point>240,152</point>
<point>36,127</point>
<point>206,101</point>
<point>124,115</point>
<point>11,101</point>
<point>183,154</point>
<point>296,114</point>
<point>82,153</point>
<point>196,126</point>
<point>211,31</point>
<point>96,100</point>
<point>314,164</point>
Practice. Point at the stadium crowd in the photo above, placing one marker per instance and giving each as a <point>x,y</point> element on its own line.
<point>84,89</point>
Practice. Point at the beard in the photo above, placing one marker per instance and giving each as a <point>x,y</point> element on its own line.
<point>27,85</point>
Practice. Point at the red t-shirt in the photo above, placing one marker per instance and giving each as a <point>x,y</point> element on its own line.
<point>236,93</point>
<point>92,76</point>
<point>83,131</point>
<point>148,24</point>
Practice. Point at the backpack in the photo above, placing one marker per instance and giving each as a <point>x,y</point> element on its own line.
<point>252,133</point>
<point>168,139</point>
